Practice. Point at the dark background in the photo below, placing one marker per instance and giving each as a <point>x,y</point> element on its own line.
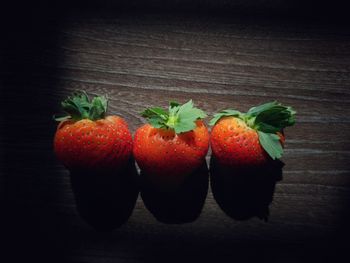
<point>219,53</point>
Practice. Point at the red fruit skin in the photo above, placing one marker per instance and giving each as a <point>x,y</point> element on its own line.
<point>102,145</point>
<point>166,157</point>
<point>233,143</point>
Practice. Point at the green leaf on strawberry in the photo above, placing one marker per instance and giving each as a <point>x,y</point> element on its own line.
<point>224,113</point>
<point>180,118</point>
<point>98,108</point>
<point>271,144</point>
<point>78,107</point>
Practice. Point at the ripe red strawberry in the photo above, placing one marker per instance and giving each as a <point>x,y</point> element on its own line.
<point>87,140</point>
<point>173,144</point>
<point>252,138</point>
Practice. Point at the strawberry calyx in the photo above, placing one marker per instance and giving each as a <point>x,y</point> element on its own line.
<point>267,119</point>
<point>79,106</point>
<point>180,118</point>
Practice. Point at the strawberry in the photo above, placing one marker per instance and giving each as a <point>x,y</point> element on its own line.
<point>97,151</point>
<point>252,138</point>
<point>172,145</point>
<point>87,140</point>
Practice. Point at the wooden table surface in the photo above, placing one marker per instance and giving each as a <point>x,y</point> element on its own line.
<point>142,60</point>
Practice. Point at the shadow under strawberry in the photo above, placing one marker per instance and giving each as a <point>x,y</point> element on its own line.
<point>243,193</point>
<point>105,200</point>
<point>182,205</point>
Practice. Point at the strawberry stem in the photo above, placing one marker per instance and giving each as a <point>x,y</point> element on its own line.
<point>171,121</point>
<point>249,120</point>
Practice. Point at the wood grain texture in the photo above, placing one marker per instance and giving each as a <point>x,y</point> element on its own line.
<point>147,60</point>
